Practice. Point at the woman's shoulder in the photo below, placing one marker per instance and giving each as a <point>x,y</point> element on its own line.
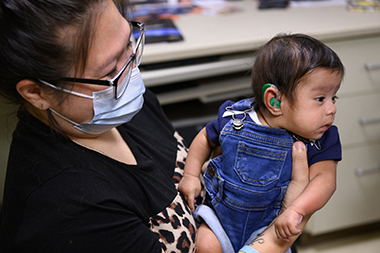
<point>151,99</point>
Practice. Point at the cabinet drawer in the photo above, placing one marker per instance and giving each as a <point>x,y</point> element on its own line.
<point>358,118</point>
<point>356,200</point>
<point>361,57</point>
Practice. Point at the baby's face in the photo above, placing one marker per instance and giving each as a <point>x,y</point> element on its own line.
<point>313,111</point>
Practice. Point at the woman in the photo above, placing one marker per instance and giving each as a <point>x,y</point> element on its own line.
<point>91,167</point>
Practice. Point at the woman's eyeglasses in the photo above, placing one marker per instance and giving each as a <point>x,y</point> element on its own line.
<point>135,58</point>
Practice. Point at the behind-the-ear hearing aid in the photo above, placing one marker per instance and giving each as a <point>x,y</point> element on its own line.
<point>273,101</point>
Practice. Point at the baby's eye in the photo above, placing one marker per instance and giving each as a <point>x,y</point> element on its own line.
<point>320,99</point>
<point>334,99</point>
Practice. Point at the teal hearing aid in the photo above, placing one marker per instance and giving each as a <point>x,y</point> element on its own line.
<point>273,101</point>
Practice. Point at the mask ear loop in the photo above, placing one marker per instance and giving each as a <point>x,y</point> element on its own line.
<point>63,117</point>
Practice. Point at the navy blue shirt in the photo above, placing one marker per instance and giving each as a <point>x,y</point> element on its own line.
<point>331,148</point>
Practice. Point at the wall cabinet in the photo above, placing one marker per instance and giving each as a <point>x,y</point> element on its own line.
<point>356,200</point>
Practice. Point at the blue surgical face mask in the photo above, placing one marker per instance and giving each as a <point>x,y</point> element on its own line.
<point>108,112</point>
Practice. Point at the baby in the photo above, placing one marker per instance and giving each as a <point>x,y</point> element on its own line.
<point>295,80</point>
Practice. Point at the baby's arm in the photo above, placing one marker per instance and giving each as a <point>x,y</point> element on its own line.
<point>320,189</point>
<point>199,151</point>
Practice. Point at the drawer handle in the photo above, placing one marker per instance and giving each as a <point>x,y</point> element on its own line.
<point>363,121</point>
<point>361,172</point>
<point>370,66</point>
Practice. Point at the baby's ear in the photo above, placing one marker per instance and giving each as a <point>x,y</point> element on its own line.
<point>271,98</point>
<point>32,93</point>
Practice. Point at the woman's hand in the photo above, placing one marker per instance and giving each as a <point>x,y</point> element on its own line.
<point>267,241</point>
<point>288,220</point>
<point>300,175</point>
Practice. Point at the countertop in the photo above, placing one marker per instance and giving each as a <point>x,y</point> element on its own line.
<point>246,30</point>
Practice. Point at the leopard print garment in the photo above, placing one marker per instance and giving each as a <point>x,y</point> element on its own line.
<point>175,225</point>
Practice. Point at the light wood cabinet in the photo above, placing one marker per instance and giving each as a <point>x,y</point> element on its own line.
<point>356,200</point>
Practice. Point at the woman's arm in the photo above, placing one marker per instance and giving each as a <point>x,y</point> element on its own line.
<point>267,241</point>
<point>82,211</point>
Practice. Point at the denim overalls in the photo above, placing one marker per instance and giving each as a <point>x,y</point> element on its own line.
<point>247,183</point>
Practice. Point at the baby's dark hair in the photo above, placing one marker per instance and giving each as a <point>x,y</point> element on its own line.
<point>286,59</point>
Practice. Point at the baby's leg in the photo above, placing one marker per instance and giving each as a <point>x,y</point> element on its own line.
<point>206,241</point>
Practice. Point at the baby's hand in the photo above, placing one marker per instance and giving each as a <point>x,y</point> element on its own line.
<point>286,224</point>
<point>190,187</point>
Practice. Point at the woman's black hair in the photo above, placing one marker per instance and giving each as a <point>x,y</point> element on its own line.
<point>286,59</point>
<point>45,39</point>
